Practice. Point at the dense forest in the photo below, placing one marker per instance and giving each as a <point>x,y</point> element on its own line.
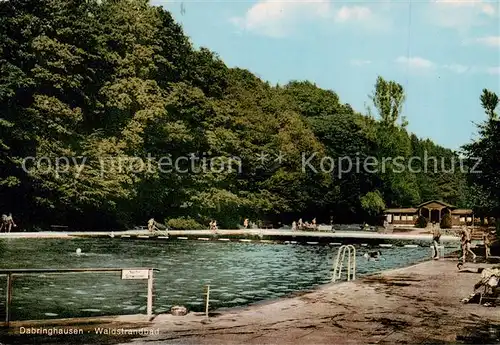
<point>91,83</point>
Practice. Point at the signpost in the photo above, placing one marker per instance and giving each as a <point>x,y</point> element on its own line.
<point>141,275</point>
<point>135,274</point>
<point>126,274</point>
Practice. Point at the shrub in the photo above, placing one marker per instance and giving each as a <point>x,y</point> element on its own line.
<point>446,222</point>
<point>184,224</point>
<point>373,203</point>
<point>421,222</point>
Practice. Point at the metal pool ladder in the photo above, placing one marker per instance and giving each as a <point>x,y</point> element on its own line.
<point>339,262</point>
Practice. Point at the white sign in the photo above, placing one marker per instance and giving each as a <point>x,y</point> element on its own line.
<point>135,274</point>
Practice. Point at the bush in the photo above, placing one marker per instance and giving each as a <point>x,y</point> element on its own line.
<point>184,224</point>
<point>446,221</point>
<point>421,222</point>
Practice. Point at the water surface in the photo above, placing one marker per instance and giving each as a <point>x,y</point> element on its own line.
<point>238,273</point>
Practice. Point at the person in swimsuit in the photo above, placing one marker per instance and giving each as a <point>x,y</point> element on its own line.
<point>7,222</point>
<point>152,225</point>
<point>487,244</point>
<point>466,244</point>
<point>436,235</point>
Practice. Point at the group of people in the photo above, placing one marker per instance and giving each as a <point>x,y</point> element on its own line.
<point>300,225</point>
<point>465,243</point>
<point>7,223</point>
<point>373,256</point>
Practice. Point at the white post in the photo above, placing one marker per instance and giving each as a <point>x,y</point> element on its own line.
<point>150,293</point>
<point>349,263</point>
<point>8,300</point>
<point>354,264</point>
<point>341,264</point>
<point>336,265</point>
<point>208,298</point>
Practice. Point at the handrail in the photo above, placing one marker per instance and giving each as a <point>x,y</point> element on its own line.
<point>19,271</point>
<point>339,262</point>
<point>143,275</point>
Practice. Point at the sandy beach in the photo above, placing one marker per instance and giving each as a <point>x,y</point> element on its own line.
<point>413,305</point>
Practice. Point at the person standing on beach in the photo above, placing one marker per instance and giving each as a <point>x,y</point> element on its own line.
<point>487,244</point>
<point>245,223</point>
<point>463,245</point>
<point>294,226</point>
<point>466,244</point>
<point>436,236</point>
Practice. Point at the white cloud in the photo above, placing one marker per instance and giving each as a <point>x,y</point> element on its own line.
<point>278,18</point>
<point>275,18</point>
<point>494,70</point>
<point>479,5</point>
<point>461,69</point>
<point>415,62</point>
<point>457,68</point>
<point>358,62</point>
<point>421,65</point>
<point>462,14</point>
<point>492,41</point>
<point>353,13</point>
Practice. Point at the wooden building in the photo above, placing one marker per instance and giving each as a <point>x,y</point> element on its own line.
<point>433,210</point>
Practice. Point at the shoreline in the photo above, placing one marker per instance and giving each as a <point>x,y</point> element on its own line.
<point>254,235</point>
<point>412,304</point>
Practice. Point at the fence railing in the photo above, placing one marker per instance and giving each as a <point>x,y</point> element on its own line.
<point>126,274</point>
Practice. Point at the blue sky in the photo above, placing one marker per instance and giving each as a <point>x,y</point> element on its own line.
<point>443,52</point>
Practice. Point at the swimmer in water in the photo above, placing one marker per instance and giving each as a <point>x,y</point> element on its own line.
<point>374,256</point>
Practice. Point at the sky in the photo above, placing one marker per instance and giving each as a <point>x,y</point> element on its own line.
<point>443,52</point>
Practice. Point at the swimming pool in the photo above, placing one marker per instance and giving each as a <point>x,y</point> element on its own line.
<point>238,273</point>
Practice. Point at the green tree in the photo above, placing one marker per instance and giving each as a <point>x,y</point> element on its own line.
<point>484,160</point>
<point>388,98</point>
<point>373,203</point>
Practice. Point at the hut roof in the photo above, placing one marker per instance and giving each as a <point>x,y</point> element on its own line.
<point>438,202</point>
<point>462,211</point>
<point>401,210</point>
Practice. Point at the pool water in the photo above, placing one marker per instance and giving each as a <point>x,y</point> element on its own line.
<point>238,273</point>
